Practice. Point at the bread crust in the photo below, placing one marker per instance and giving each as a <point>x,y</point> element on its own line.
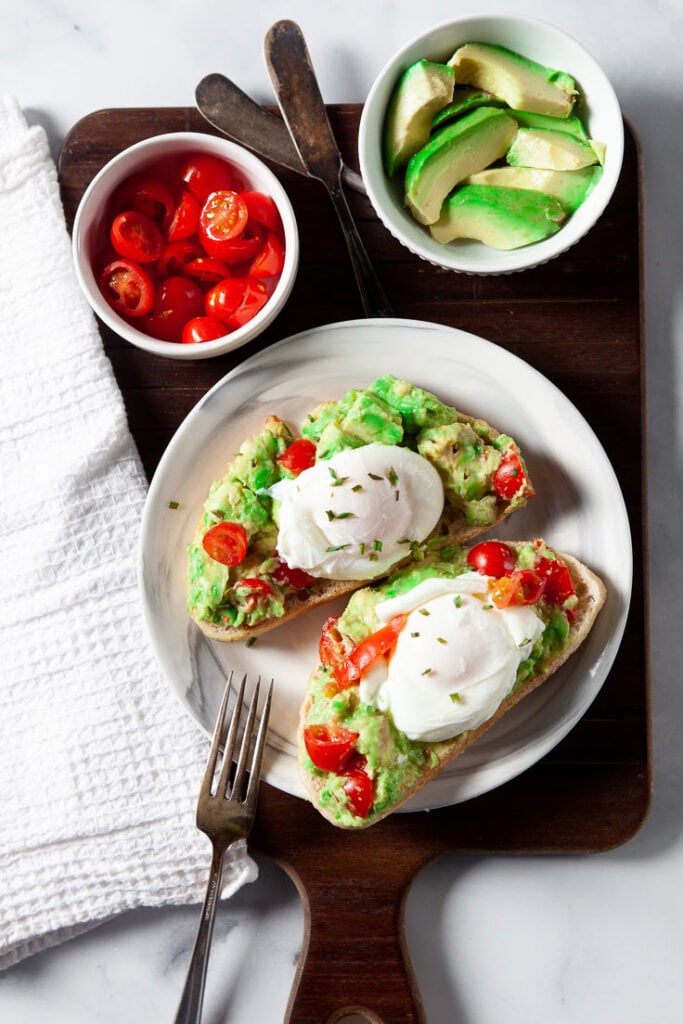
<point>591,594</point>
<point>452,525</point>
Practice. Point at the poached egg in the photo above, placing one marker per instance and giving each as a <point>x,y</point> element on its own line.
<point>354,516</point>
<point>455,660</point>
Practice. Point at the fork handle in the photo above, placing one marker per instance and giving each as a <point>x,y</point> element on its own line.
<point>190,1008</point>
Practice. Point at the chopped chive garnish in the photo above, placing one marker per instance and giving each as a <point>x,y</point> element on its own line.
<point>337,547</point>
<point>423,611</point>
<point>362,549</point>
<point>414,634</point>
<point>346,515</point>
<point>441,640</point>
<point>377,545</point>
<point>357,487</point>
<point>174,504</point>
<point>250,641</point>
<point>397,495</point>
<point>427,672</point>
<point>455,697</point>
<point>392,476</point>
<point>457,601</point>
<point>372,557</point>
<point>336,480</point>
<point>373,476</point>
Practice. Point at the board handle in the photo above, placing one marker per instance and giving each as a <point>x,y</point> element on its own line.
<point>354,961</point>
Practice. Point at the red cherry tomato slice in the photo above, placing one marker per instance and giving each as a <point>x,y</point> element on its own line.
<point>186,217</point>
<point>300,455</point>
<point>202,328</point>
<point>147,193</point>
<point>244,248</point>
<point>176,256</point>
<point>127,288</point>
<point>358,787</point>
<point>222,219</point>
<point>331,649</point>
<point>510,478</point>
<point>521,588</point>
<point>178,299</point>
<point>262,208</point>
<point>254,298</point>
<point>270,259</point>
<point>368,651</point>
<point>329,746</point>
<point>297,579</point>
<point>204,173</point>
<point>226,543</point>
<point>136,237</point>
<point>492,558</point>
<point>207,270</point>
<point>224,298</point>
<point>557,581</point>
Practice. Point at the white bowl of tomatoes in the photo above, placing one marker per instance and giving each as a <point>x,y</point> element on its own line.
<point>186,245</point>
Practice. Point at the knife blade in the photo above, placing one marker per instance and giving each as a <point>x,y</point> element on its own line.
<point>226,107</point>
<point>301,103</point>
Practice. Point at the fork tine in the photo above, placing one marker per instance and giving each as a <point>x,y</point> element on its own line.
<point>257,757</point>
<point>241,770</point>
<point>212,759</point>
<point>229,747</point>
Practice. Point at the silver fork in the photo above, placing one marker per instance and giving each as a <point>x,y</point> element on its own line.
<point>225,813</point>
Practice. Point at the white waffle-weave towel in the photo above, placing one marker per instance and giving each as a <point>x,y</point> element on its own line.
<point>99,764</point>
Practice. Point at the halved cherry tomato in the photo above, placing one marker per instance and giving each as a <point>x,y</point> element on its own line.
<point>331,650</point>
<point>224,298</point>
<point>255,588</point>
<point>244,248</point>
<point>297,579</point>
<point>177,300</point>
<point>207,270</point>
<point>127,288</point>
<point>270,259</point>
<point>204,174</point>
<point>557,581</point>
<point>202,328</point>
<point>329,746</point>
<point>368,651</point>
<point>521,588</point>
<point>254,298</point>
<point>223,218</point>
<point>492,558</point>
<point>136,237</point>
<point>358,787</point>
<point>300,455</point>
<point>263,209</point>
<point>226,543</point>
<point>186,217</point>
<point>510,478</point>
<point>147,193</point>
<point>176,256</point>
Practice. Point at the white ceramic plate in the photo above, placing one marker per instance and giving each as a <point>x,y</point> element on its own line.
<point>579,509</point>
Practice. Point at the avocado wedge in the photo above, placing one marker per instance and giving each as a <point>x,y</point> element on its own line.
<point>468,145</point>
<point>522,83</point>
<point>571,125</point>
<point>464,101</point>
<point>552,150</point>
<point>423,89</point>
<point>504,218</point>
<point>570,188</point>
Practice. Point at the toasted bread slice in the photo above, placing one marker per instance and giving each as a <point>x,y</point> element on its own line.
<point>217,620</point>
<point>427,759</point>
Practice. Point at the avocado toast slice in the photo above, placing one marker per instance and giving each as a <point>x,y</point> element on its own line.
<point>426,470</point>
<point>421,664</point>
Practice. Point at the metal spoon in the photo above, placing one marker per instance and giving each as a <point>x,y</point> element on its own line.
<point>301,103</point>
<point>233,112</point>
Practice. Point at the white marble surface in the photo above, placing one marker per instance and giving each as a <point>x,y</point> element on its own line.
<point>563,939</point>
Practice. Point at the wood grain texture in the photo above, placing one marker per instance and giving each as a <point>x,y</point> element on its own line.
<point>578,321</point>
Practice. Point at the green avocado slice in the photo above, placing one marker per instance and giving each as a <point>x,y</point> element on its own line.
<point>571,125</point>
<point>552,150</point>
<point>504,218</point>
<point>468,145</point>
<point>423,89</point>
<point>570,188</point>
<point>522,83</point>
<point>464,101</point>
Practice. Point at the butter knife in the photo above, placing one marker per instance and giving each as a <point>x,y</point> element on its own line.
<point>225,106</point>
<point>303,110</point>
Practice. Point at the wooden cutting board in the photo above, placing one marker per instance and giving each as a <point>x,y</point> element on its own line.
<point>578,321</point>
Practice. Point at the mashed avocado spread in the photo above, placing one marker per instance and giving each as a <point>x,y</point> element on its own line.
<point>465,452</point>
